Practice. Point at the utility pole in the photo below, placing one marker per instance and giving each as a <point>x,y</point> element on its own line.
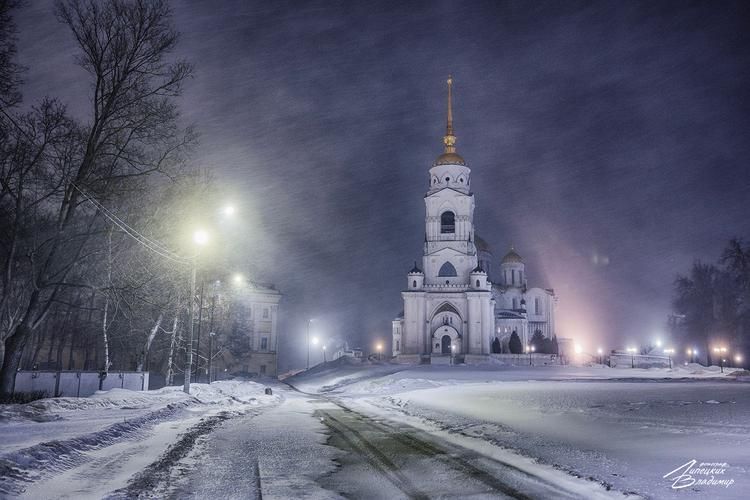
<point>189,367</point>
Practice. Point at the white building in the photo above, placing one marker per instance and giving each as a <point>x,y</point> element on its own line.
<point>450,304</point>
<point>251,336</point>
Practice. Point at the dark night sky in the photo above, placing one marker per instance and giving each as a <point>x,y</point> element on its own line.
<point>609,129</point>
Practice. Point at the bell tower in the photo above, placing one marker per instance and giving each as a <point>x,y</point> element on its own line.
<point>449,251</point>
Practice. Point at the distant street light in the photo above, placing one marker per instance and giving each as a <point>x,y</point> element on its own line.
<point>238,279</point>
<point>738,360</point>
<point>632,351</point>
<point>669,353</point>
<point>379,348</point>
<point>211,336</point>
<point>229,210</point>
<point>600,352</point>
<point>658,342</point>
<point>722,351</point>
<point>308,342</point>
<point>200,238</point>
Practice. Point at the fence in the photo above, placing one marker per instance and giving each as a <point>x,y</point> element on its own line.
<point>78,384</point>
<point>624,360</point>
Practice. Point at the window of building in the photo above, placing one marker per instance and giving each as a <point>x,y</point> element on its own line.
<point>537,307</point>
<point>520,277</point>
<point>265,313</point>
<point>448,222</point>
<point>414,284</point>
<point>447,270</point>
<point>477,283</point>
<point>262,369</point>
<point>264,344</point>
<point>513,276</point>
<point>515,303</point>
<point>398,345</point>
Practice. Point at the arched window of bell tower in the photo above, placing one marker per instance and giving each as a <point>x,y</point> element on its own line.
<point>448,222</point>
<point>447,270</point>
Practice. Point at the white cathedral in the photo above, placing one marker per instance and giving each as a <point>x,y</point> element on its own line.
<point>453,305</point>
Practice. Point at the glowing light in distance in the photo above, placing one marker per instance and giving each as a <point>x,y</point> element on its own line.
<point>228,210</point>
<point>200,237</point>
<point>238,279</point>
<point>315,340</point>
<point>600,351</point>
<point>578,349</point>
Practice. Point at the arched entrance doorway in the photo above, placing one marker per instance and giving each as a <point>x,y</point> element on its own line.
<point>444,338</point>
<point>445,344</point>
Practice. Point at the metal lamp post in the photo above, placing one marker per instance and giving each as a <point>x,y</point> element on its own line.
<point>200,238</point>
<point>669,353</point>
<point>632,350</point>
<point>210,354</point>
<point>308,342</point>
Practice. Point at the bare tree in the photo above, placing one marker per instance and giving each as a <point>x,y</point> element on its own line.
<point>132,132</point>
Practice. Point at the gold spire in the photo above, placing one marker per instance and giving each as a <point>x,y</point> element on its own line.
<point>449,139</point>
<point>449,156</point>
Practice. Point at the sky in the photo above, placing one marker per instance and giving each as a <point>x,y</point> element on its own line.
<point>608,142</point>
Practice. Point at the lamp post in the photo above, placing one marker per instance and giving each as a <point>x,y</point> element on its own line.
<point>200,238</point>
<point>721,351</point>
<point>210,354</point>
<point>308,342</point>
<point>379,347</point>
<point>324,354</point>
<point>669,353</point>
<point>453,352</point>
<point>632,351</point>
<point>600,352</point>
<point>737,361</point>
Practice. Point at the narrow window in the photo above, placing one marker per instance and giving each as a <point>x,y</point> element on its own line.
<point>477,283</point>
<point>262,369</point>
<point>515,303</point>
<point>264,344</point>
<point>537,309</point>
<point>398,345</point>
<point>448,222</point>
<point>513,276</point>
<point>265,313</point>
<point>414,284</point>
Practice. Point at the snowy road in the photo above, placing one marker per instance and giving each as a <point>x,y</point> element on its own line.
<point>384,432</point>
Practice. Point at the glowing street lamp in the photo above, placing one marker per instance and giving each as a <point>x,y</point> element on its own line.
<point>308,342</point>
<point>379,348</point>
<point>669,353</point>
<point>600,352</point>
<point>632,351</point>
<point>453,352</point>
<point>721,351</point>
<point>228,210</point>
<point>737,360</point>
<point>200,238</point>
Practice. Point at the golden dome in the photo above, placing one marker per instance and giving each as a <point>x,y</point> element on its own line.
<point>449,159</point>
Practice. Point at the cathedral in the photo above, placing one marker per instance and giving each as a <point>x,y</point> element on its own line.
<point>453,304</point>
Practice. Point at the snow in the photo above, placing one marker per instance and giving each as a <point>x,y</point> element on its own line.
<point>590,431</point>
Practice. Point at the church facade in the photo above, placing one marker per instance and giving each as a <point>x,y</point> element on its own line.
<point>451,305</point>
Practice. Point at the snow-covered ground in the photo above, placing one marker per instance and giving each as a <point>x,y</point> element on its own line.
<point>89,447</point>
<point>623,428</point>
<point>381,430</point>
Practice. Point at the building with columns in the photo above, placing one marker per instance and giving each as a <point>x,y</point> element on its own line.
<point>451,306</point>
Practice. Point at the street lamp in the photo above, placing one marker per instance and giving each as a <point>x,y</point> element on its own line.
<point>737,360</point>
<point>200,238</point>
<point>379,347</point>
<point>228,210</point>
<point>721,351</point>
<point>600,352</point>
<point>211,336</point>
<point>533,348</point>
<point>669,353</point>
<point>308,342</point>
<point>632,351</point>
